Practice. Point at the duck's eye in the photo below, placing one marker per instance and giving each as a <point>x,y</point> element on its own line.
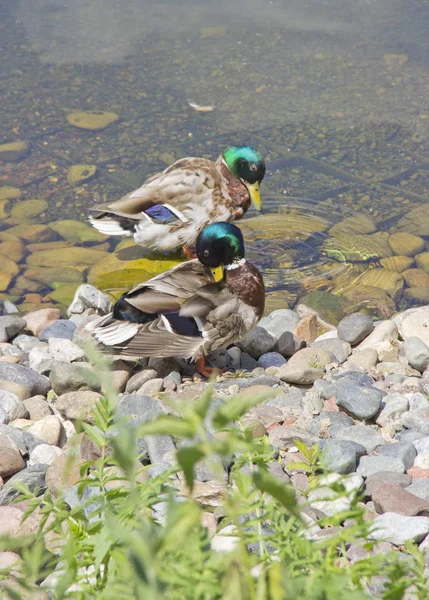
<point>206,253</point>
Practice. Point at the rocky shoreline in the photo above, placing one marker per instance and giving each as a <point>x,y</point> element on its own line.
<point>359,390</point>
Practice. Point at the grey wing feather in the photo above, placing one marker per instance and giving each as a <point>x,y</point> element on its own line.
<point>176,185</point>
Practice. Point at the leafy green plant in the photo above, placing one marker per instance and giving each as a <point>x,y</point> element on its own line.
<point>118,542</point>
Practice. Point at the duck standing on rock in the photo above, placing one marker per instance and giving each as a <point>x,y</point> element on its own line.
<point>171,208</point>
<point>184,312</point>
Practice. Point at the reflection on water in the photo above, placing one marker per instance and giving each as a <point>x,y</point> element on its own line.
<point>332,92</point>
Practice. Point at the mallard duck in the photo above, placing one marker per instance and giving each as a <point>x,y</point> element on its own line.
<point>171,208</point>
<point>184,312</point>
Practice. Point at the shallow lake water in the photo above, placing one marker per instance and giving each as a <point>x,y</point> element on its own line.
<point>334,93</point>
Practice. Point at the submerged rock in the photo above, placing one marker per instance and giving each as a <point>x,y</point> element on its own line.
<point>28,209</point>
<point>76,231</point>
<point>93,120</point>
<point>353,247</point>
<point>13,150</point>
<point>80,173</point>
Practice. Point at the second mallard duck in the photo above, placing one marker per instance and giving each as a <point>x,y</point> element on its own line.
<point>184,312</point>
<point>171,208</point>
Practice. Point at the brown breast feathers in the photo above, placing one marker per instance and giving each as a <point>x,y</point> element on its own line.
<point>247,283</point>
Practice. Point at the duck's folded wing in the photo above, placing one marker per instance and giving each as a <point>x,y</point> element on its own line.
<point>173,188</point>
<point>167,291</point>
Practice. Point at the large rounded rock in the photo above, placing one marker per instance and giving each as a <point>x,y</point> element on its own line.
<point>12,406</point>
<point>414,323</point>
<point>305,366</point>
<point>70,377</point>
<point>406,244</point>
<point>10,326</point>
<point>416,221</point>
<point>32,381</point>
<point>359,402</point>
<point>354,328</point>
<point>11,462</point>
<point>416,278</point>
<point>76,406</point>
<point>12,151</point>
<point>94,120</point>
<point>417,353</point>
<point>258,342</point>
<point>399,529</point>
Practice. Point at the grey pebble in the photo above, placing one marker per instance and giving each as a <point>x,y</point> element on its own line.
<point>354,377</point>
<point>330,421</point>
<point>12,406</point>
<point>257,343</point>
<point>87,296</point>
<point>369,465</point>
<point>247,362</point>
<point>33,476</point>
<point>288,343</point>
<point>399,529</point>
<point>25,342</point>
<point>394,406</point>
<point>360,402</point>
<point>339,349</point>
<point>417,353</point>
<point>354,328</point>
<point>405,451</point>
<point>271,359</point>
<point>339,456</point>
<point>10,326</point>
<point>420,488</point>
<point>71,377</point>
<point>362,434</point>
<point>35,383</point>
<point>138,379</point>
<point>63,328</point>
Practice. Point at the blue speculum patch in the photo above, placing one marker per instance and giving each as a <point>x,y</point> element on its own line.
<point>161,214</point>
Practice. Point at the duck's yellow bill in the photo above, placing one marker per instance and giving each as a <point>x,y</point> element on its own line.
<point>255,195</point>
<point>218,273</point>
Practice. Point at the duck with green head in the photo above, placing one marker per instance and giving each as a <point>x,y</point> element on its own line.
<point>184,312</point>
<point>171,208</point>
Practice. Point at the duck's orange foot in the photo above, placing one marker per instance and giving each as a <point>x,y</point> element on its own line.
<point>189,253</point>
<point>208,372</point>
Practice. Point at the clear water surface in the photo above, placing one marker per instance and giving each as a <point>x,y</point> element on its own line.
<point>335,93</point>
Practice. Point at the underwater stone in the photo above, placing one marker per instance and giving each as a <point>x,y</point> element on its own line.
<point>13,150</point>
<point>7,192</point>
<point>416,221</point>
<point>79,173</point>
<point>389,281</point>
<point>353,247</point>
<point>356,224</point>
<point>328,306</point>
<point>66,257</point>
<point>397,263</point>
<point>93,120</point>
<point>33,232</point>
<point>28,209</point>
<point>76,231</point>
<point>406,244</point>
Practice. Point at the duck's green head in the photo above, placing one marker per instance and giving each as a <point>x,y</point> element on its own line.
<point>220,244</point>
<point>247,165</point>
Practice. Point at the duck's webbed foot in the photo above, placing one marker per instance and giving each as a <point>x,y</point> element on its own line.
<point>200,367</point>
<point>189,252</point>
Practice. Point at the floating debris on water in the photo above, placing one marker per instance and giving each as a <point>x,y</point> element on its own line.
<point>200,107</point>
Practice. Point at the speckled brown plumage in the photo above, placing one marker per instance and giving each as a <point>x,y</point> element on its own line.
<point>246,283</point>
<point>196,191</point>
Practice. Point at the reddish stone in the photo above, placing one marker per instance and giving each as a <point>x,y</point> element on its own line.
<point>306,328</point>
<point>418,473</point>
<point>330,404</point>
<point>391,497</point>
